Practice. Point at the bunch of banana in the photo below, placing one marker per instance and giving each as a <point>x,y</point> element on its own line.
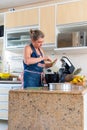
<point>78,80</point>
<point>4,75</point>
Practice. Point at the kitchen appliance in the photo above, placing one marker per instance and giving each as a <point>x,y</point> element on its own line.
<point>58,77</point>
<point>67,68</point>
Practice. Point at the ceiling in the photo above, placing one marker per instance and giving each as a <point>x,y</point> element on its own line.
<point>13,3</point>
<point>10,4</point>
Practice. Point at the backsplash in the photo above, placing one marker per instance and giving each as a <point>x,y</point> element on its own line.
<point>1,55</point>
<point>15,62</point>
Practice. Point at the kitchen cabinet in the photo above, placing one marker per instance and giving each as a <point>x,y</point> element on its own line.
<point>4,93</point>
<point>18,38</point>
<point>71,18</point>
<point>77,42</point>
<point>22,18</point>
<point>70,13</point>
<point>47,24</point>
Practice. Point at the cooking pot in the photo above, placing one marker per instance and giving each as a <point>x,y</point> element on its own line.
<point>60,86</point>
<point>52,78</point>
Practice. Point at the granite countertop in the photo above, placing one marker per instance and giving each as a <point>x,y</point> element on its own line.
<point>74,91</point>
<point>47,110</point>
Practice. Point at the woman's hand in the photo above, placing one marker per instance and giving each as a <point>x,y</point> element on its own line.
<point>46,58</point>
<point>54,62</point>
<point>47,65</point>
<point>41,65</point>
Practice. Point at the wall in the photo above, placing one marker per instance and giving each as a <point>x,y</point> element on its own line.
<point>15,61</point>
<point>1,54</point>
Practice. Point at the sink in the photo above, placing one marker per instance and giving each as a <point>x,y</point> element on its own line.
<point>64,87</point>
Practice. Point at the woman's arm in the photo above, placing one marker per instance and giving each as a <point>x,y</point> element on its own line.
<point>27,56</point>
<point>29,60</point>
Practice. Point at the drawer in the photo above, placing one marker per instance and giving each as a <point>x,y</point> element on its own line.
<point>3,114</point>
<point>4,90</point>
<point>3,105</point>
<point>3,98</point>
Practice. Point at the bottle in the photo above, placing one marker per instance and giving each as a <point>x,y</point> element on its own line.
<point>7,69</point>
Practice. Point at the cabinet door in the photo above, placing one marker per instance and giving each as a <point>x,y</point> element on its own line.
<point>47,23</point>
<point>17,38</point>
<point>69,13</point>
<point>21,18</point>
<point>4,95</point>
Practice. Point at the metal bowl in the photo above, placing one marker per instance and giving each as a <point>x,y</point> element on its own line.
<point>60,86</point>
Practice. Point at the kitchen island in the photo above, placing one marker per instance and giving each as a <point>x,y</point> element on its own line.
<point>47,110</point>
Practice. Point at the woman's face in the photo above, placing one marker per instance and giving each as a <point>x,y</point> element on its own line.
<point>38,43</point>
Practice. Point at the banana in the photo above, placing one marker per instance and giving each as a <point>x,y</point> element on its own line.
<point>78,79</point>
<point>4,75</point>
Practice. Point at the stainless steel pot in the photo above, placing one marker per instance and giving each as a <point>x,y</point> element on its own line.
<point>60,86</point>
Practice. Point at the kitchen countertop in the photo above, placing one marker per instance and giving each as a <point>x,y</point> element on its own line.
<point>47,110</point>
<point>82,90</point>
<point>9,82</point>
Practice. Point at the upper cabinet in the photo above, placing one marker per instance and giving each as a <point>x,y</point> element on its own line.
<point>71,21</point>
<point>71,12</point>
<point>42,17</point>
<point>47,23</point>
<point>22,18</point>
<point>18,38</point>
<point>51,19</point>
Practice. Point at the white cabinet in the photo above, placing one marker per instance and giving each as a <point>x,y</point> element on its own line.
<point>4,97</point>
<point>18,38</point>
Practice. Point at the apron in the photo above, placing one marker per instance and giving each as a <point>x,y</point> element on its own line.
<point>33,72</point>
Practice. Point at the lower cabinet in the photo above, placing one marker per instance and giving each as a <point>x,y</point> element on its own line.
<point>4,95</point>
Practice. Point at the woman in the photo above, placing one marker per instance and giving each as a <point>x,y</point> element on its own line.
<point>34,60</point>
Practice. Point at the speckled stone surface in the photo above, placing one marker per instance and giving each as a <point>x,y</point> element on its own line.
<point>47,110</point>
